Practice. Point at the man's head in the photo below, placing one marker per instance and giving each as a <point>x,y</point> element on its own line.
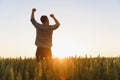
<point>44,19</point>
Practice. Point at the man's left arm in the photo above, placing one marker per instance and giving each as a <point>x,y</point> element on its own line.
<point>34,22</point>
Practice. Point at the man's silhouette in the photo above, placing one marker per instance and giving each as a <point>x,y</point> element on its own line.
<point>44,33</point>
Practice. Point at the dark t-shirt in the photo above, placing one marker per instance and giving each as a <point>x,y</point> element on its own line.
<point>43,34</point>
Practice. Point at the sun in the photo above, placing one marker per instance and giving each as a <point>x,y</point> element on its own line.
<point>60,56</point>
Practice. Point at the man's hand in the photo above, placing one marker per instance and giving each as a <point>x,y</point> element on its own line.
<point>52,15</point>
<point>33,10</point>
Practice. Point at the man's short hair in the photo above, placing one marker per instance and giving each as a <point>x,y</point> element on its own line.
<point>44,18</point>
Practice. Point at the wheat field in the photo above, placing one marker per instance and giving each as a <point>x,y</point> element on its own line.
<point>73,68</point>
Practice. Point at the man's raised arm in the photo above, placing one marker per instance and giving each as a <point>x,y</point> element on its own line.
<point>34,22</point>
<point>56,21</point>
<point>33,11</point>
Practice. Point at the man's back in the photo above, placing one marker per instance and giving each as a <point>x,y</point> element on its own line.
<point>43,37</point>
<point>43,34</point>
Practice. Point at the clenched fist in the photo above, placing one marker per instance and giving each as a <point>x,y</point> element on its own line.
<point>52,15</point>
<point>33,10</point>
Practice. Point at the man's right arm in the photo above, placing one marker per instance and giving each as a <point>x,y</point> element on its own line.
<point>57,23</point>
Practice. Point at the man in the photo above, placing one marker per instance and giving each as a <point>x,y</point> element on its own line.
<point>44,33</point>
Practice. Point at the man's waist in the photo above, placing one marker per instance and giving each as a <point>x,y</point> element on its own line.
<point>45,45</point>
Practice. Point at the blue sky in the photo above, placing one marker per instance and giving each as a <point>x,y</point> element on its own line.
<point>89,27</point>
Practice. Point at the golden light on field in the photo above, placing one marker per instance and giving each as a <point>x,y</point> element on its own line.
<point>61,56</point>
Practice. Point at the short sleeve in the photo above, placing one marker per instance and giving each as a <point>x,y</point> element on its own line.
<point>35,23</point>
<point>53,27</point>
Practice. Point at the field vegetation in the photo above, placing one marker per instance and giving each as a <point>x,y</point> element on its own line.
<point>73,68</point>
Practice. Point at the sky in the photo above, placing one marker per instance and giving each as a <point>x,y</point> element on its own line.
<point>88,27</point>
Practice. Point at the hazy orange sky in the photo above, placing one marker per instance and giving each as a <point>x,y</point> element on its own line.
<point>89,27</point>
